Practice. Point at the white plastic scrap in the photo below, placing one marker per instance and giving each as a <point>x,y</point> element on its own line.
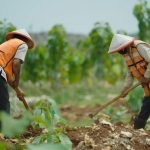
<point>126,134</point>
<point>89,141</point>
<point>108,123</point>
<point>148,142</point>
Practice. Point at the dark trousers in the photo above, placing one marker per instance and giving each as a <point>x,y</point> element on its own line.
<point>145,109</point>
<point>4,97</point>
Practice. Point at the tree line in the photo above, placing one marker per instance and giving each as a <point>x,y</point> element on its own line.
<point>60,63</point>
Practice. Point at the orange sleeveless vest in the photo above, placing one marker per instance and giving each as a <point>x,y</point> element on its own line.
<point>7,52</point>
<point>136,64</point>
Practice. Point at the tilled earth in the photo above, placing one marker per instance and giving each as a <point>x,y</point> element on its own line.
<point>106,136</point>
<point>103,135</point>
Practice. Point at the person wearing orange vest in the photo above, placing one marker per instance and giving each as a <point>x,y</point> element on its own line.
<point>12,55</point>
<point>136,55</point>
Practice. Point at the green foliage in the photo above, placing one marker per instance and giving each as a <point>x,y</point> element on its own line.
<point>4,145</point>
<point>142,13</point>
<point>57,47</point>
<point>46,147</point>
<point>65,141</point>
<point>52,122</point>
<point>95,47</point>
<point>148,124</point>
<point>135,99</point>
<point>4,28</point>
<point>74,61</point>
<point>17,126</point>
<point>60,64</point>
<point>116,115</point>
<point>44,116</point>
<point>57,62</point>
<point>96,59</point>
<point>43,109</point>
<point>35,67</point>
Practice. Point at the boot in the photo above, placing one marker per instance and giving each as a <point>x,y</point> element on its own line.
<point>139,123</point>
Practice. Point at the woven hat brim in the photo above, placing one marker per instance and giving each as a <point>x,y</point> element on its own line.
<point>117,50</point>
<point>30,42</point>
<point>120,47</point>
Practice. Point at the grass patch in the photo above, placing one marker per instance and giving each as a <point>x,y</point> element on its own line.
<point>79,93</point>
<point>84,93</point>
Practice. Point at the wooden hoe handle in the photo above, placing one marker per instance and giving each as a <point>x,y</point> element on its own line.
<point>19,92</point>
<point>113,100</point>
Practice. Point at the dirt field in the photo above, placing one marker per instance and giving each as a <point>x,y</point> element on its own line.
<point>105,135</point>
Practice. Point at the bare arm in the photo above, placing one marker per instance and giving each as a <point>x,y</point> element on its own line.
<point>18,60</point>
<point>15,83</point>
<point>16,71</point>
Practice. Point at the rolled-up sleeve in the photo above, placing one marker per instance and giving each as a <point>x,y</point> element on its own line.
<point>144,51</point>
<point>21,52</point>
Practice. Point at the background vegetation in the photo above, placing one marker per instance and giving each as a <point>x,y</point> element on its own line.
<point>67,72</point>
<point>59,63</point>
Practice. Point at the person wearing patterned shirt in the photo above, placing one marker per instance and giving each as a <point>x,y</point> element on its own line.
<point>136,54</point>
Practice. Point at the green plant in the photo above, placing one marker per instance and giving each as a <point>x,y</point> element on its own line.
<point>97,62</point>
<point>61,64</point>
<point>5,27</point>
<point>116,114</point>
<point>14,128</point>
<point>46,116</point>
<point>35,68</point>
<point>52,122</point>
<point>57,47</point>
<point>148,124</point>
<point>134,99</point>
<point>46,147</point>
<point>142,13</point>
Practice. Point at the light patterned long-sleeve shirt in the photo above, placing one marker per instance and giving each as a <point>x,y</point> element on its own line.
<point>144,51</point>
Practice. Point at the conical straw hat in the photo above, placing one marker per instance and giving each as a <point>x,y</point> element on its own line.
<point>119,42</point>
<point>21,32</point>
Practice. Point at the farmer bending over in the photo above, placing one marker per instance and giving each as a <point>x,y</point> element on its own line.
<point>12,55</point>
<point>136,55</point>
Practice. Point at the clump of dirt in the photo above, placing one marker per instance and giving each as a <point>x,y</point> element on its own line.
<point>32,132</point>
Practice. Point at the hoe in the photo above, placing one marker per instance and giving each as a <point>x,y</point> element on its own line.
<point>18,91</point>
<point>91,115</point>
